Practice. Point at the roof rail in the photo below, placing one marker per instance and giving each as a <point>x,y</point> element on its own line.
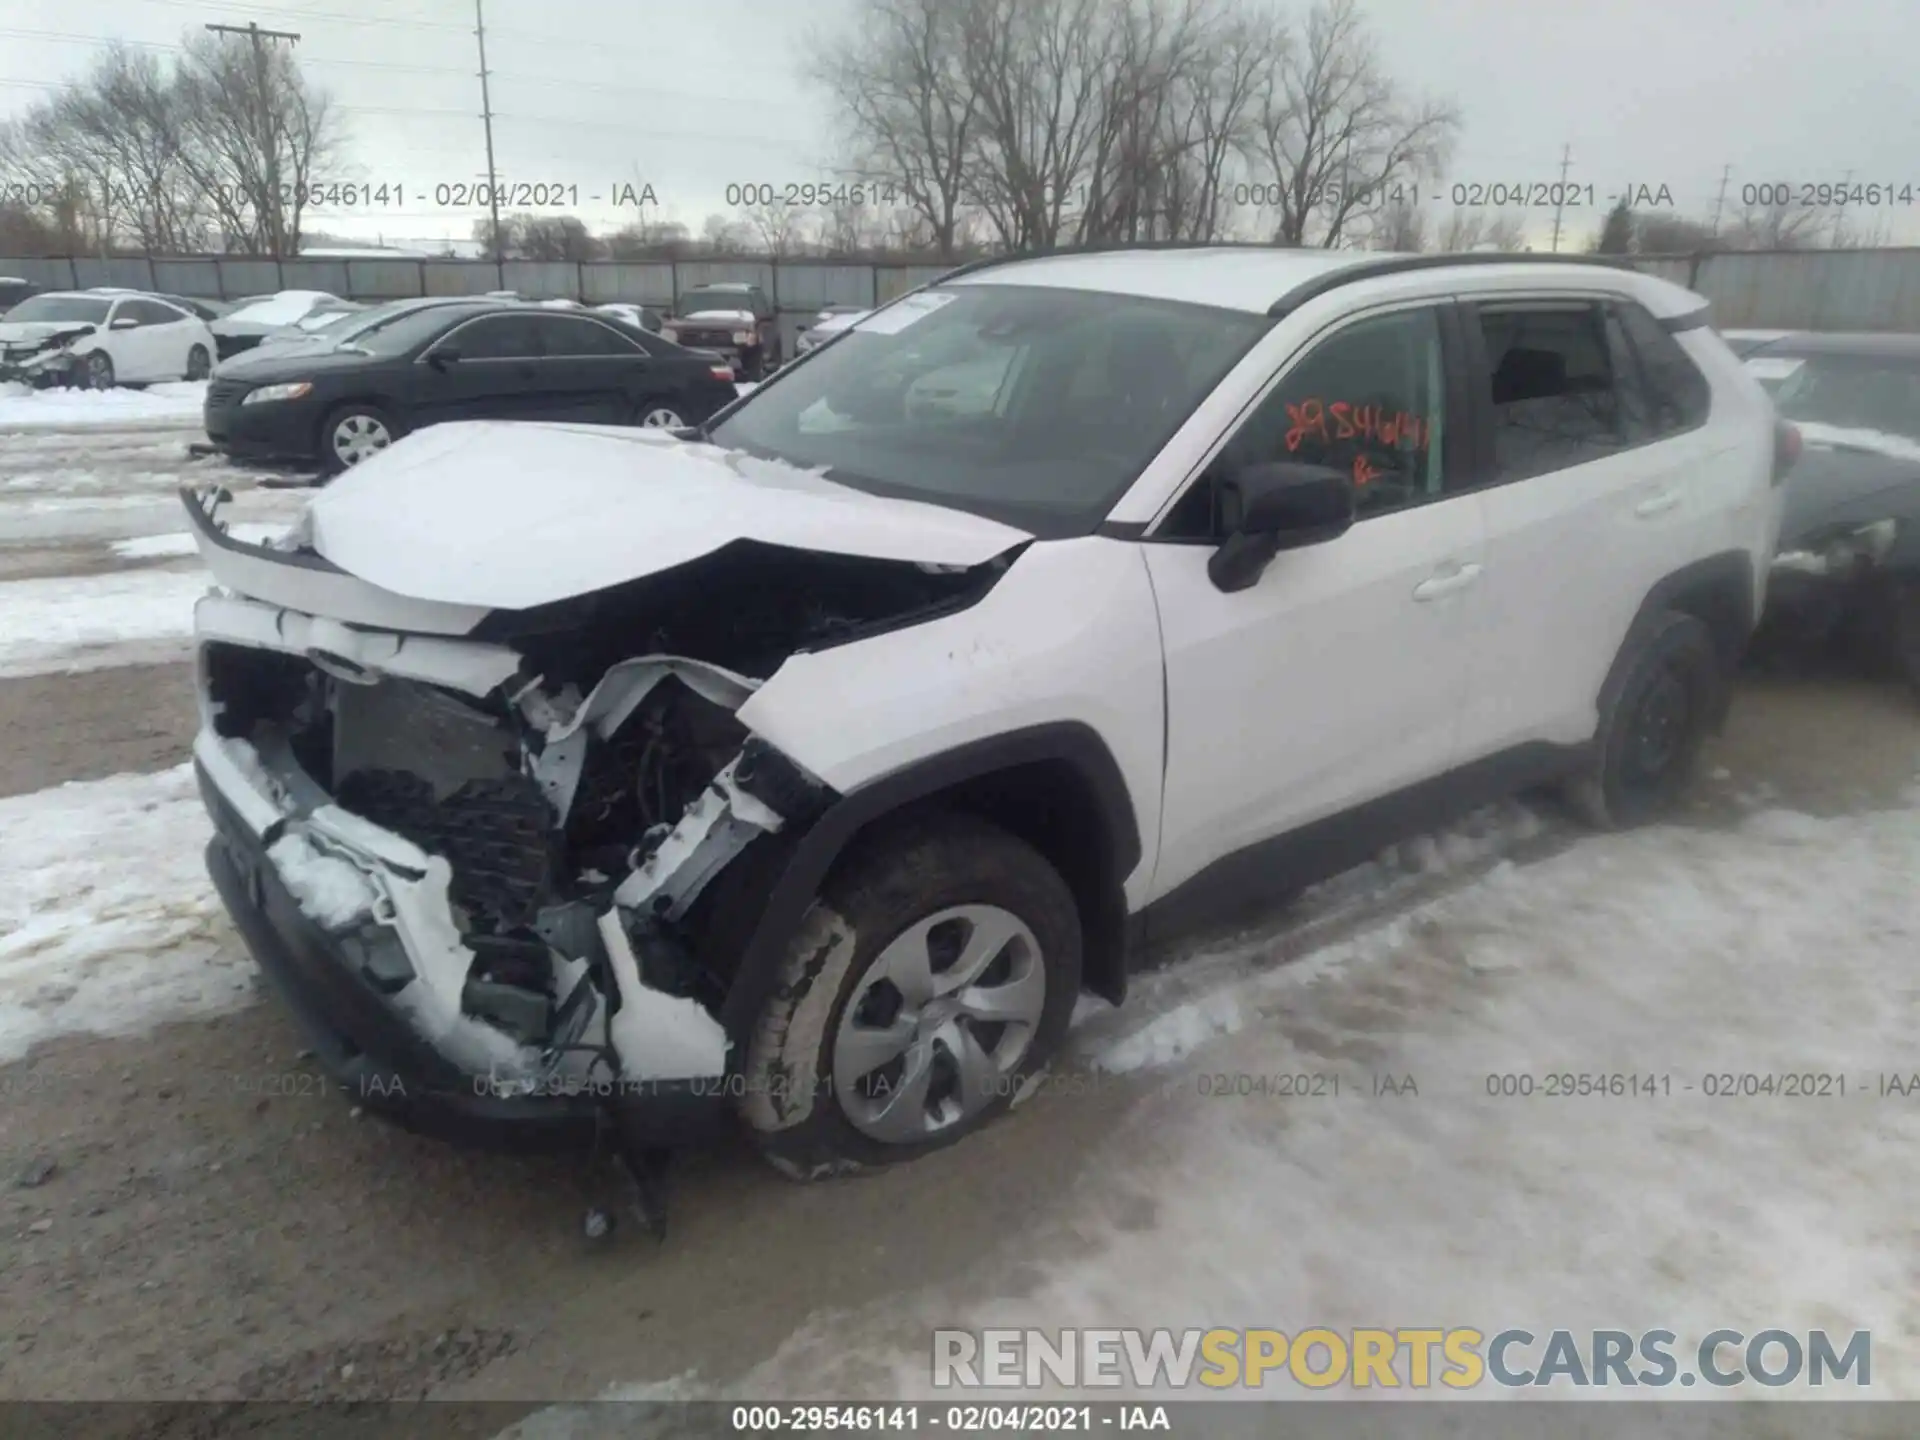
<point>1110,248</point>
<point>1396,264</point>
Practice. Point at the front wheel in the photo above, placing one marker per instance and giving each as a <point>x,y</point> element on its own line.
<point>354,433</point>
<point>1655,714</point>
<point>199,363</point>
<point>932,978</point>
<point>658,415</point>
<point>95,371</point>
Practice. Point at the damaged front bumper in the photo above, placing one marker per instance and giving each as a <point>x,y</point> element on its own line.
<point>372,937</point>
<point>38,366</point>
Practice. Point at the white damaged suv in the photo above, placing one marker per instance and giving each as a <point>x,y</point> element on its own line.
<point>807,768</point>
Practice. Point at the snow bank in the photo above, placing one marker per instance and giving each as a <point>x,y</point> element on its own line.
<point>23,408</point>
<point>1903,447</point>
<point>90,621</point>
<point>1787,945</point>
<point>167,547</point>
<point>108,923</point>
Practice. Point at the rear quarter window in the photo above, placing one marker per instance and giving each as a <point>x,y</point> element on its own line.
<point>1677,394</point>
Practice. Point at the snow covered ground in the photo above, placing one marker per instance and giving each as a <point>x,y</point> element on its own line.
<point>88,622</point>
<point>108,924</point>
<point>23,408</point>
<point>1787,944</point>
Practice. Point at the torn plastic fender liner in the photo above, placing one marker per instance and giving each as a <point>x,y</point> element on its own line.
<point>608,706</point>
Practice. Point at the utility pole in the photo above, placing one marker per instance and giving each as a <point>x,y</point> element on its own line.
<point>1726,173</point>
<point>486,118</point>
<point>269,143</point>
<point>1566,159</point>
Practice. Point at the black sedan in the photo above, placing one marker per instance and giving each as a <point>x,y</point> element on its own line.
<point>351,392</point>
<point>1846,576</point>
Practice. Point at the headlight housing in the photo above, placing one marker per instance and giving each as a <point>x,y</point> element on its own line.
<point>293,390</point>
<point>743,337</point>
<point>1842,549</point>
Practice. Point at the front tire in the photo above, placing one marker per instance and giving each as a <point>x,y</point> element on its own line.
<point>199,363</point>
<point>933,976</point>
<point>353,433</point>
<point>94,371</point>
<point>658,415</point>
<point>1654,716</point>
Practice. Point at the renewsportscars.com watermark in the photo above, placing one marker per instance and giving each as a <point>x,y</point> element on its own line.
<point>1379,1359</point>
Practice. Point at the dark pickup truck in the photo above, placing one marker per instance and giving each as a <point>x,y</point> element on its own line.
<point>735,321</point>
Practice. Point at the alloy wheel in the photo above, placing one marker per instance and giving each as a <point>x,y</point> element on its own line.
<point>662,418</point>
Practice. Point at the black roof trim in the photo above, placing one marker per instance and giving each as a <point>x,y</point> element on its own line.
<point>1111,248</point>
<point>1398,264</point>
<point>1690,320</point>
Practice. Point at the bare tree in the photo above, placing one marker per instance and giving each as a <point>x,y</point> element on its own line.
<point>775,227</point>
<point>1658,232</point>
<point>255,137</point>
<point>1333,136</point>
<point>1469,227</point>
<point>1040,69</point>
<point>721,236</point>
<point>898,76</point>
<point>1776,227</point>
<point>1400,228</point>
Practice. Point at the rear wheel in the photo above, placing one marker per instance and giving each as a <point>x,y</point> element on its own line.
<point>1654,717</point>
<point>931,979</point>
<point>353,433</point>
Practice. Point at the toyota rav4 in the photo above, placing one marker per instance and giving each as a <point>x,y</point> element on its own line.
<point>809,766</point>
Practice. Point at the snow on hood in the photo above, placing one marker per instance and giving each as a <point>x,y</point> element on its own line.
<point>509,515</point>
<point>34,330</point>
<point>282,309</point>
<point>730,317</point>
<point>1881,442</point>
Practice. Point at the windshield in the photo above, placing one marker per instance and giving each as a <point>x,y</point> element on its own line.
<point>61,307</point>
<point>1868,398</point>
<point>1034,406</point>
<point>324,319</point>
<point>277,309</point>
<point>396,331</point>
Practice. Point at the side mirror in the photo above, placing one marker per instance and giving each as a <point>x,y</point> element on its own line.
<point>123,322</point>
<point>444,356</point>
<point>1270,508</point>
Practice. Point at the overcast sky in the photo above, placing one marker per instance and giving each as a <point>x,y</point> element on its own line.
<point>692,95</point>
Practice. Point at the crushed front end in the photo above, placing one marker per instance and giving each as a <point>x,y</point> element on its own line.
<point>42,357</point>
<point>500,866</point>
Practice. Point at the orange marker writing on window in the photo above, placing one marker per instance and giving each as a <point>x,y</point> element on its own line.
<point>1309,417</point>
<point>1363,471</point>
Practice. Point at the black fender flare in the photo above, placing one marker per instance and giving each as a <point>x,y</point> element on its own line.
<point>813,853</point>
<point>1720,591</point>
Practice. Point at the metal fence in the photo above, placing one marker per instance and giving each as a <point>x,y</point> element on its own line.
<point>798,289</point>
<point>1773,289</point>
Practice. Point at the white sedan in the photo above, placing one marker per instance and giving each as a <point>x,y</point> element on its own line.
<point>101,339</point>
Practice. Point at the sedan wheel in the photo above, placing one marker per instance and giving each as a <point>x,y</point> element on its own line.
<point>97,371</point>
<point>661,417</point>
<point>199,363</point>
<point>355,436</point>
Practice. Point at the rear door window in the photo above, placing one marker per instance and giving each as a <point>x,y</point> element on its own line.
<point>1551,383</point>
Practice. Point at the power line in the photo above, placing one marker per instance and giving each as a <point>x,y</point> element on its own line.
<point>1720,201</point>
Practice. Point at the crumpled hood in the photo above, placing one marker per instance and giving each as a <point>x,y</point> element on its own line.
<point>33,332</point>
<point>510,515</point>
